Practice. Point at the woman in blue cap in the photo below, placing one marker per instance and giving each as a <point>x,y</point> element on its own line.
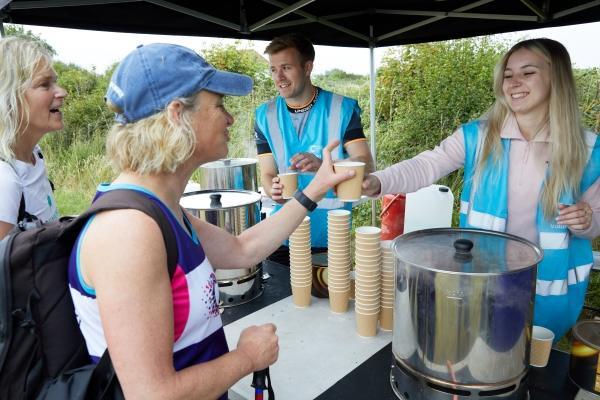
<point>165,336</point>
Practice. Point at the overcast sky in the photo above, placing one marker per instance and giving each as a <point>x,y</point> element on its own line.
<point>101,49</point>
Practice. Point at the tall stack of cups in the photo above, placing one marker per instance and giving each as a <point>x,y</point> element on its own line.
<point>386,316</point>
<point>368,279</point>
<point>339,259</point>
<point>301,264</point>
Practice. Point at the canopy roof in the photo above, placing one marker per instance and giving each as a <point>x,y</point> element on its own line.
<point>351,23</point>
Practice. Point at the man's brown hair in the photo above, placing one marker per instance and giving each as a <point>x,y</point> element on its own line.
<point>292,40</point>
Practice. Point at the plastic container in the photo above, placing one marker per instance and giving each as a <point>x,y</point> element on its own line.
<point>429,207</point>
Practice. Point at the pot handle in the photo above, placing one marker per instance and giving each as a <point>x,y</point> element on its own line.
<point>463,250</point>
<point>215,200</point>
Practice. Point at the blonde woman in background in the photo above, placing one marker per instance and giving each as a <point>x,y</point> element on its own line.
<point>30,102</point>
<point>530,170</point>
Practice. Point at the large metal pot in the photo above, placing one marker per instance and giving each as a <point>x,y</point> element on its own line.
<point>462,314</point>
<point>230,173</point>
<point>234,211</point>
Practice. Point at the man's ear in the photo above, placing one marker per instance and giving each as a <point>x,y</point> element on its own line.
<point>174,110</point>
<point>308,67</point>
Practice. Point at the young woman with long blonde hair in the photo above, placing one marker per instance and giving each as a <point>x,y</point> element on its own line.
<point>531,170</point>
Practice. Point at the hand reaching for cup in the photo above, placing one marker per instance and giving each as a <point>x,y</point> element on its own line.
<point>326,178</point>
<point>577,216</point>
<point>277,190</point>
<point>371,186</point>
<point>305,162</point>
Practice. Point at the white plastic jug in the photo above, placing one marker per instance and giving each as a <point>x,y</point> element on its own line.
<point>429,207</point>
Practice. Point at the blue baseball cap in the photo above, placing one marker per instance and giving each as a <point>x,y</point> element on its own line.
<point>151,76</point>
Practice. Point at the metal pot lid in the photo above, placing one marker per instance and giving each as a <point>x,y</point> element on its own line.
<point>229,163</point>
<point>588,332</point>
<point>466,251</point>
<point>218,199</point>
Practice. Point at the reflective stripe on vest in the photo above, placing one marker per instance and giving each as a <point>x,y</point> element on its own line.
<point>275,133</point>
<point>559,287</point>
<point>335,119</point>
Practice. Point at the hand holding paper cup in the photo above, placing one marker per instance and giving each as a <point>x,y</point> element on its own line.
<point>351,189</point>
<point>541,344</point>
<point>289,180</point>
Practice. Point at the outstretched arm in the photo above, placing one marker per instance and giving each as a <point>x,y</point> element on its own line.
<point>257,242</point>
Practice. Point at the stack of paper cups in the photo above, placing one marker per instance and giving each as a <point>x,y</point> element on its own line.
<point>386,320</point>
<point>368,279</point>
<point>339,259</point>
<point>301,264</point>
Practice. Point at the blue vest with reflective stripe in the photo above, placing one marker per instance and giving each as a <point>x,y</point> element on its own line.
<point>563,274</point>
<point>328,119</point>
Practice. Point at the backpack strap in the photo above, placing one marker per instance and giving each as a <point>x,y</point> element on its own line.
<point>119,199</point>
<point>21,216</point>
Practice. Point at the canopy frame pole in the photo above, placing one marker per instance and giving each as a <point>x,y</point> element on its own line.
<point>3,7</point>
<point>372,116</point>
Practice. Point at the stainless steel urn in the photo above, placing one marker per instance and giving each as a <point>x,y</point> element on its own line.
<point>229,173</point>
<point>234,211</point>
<point>463,311</point>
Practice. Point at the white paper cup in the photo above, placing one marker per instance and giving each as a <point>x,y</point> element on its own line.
<point>541,345</point>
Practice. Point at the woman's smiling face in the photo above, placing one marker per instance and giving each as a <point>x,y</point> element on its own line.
<point>526,83</point>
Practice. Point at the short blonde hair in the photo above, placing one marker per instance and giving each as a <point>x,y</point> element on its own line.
<point>154,144</point>
<point>20,59</point>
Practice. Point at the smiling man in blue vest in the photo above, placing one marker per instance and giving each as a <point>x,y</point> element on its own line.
<point>293,128</point>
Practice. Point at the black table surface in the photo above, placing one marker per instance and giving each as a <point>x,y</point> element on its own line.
<point>549,383</point>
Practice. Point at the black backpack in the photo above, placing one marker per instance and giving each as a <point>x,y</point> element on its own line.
<point>42,351</point>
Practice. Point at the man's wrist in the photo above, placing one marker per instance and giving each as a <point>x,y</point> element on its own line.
<point>306,201</point>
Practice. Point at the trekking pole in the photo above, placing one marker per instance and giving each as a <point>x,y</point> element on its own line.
<point>261,380</point>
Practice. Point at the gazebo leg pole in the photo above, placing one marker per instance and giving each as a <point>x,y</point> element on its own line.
<point>372,121</point>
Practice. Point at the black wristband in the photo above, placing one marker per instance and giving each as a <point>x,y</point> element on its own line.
<point>304,200</point>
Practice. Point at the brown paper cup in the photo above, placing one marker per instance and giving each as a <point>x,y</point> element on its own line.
<point>351,189</point>
<point>366,324</point>
<point>338,214</point>
<point>301,296</point>
<point>290,184</point>
<point>386,319</point>
<point>338,301</point>
<point>368,232</point>
<point>541,345</point>
<point>367,309</point>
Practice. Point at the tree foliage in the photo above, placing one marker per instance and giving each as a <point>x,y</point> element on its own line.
<point>18,30</point>
<point>239,58</point>
<point>426,90</point>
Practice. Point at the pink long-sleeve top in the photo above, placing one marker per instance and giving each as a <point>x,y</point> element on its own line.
<point>527,169</point>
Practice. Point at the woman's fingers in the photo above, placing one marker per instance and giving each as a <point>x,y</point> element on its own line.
<point>578,216</point>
